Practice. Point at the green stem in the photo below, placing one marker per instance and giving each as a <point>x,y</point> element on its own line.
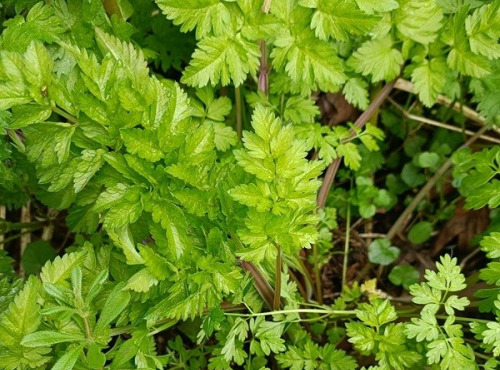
<point>297,310</point>
<point>239,120</point>
<point>317,277</point>
<point>346,245</point>
<point>65,114</point>
<point>277,283</point>
<point>465,319</point>
<point>111,7</point>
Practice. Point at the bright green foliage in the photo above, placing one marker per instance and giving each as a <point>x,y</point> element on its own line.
<point>378,59</point>
<point>304,38</point>
<point>156,177</point>
<point>282,197</point>
<point>311,356</point>
<point>376,334</point>
<point>474,175</point>
<point>444,342</point>
<point>381,252</point>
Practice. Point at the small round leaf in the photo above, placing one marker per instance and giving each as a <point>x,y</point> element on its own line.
<point>420,233</point>
<point>381,251</point>
<point>404,275</point>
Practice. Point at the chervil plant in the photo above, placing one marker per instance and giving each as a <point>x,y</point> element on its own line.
<point>166,174</point>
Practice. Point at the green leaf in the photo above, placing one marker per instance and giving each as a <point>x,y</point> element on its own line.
<point>310,63</point>
<point>225,137</point>
<point>339,19</point>
<point>491,245</point>
<point>38,68</point>
<point>68,360</point>
<point>173,221</point>
<point>482,30</point>
<point>492,337</point>
<point>428,160</point>
<point>49,338</point>
<point>372,6</point>
<point>429,78</point>
<point>404,275</point>
<point>122,237</point>
<point>36,255</point>
<point>29,114</point>
<point>60,268</point>
<point>22,317</point>
<point>95,358</point>
<point>144,143</point>
<point>88,164</point>
<point>222,59</point>
<point>380,251</point>
<point>420,232</point>
<point>356,93</point>
<point>141,281</point>
<point>376,313</point>
<point>412,176</point>
<point>115,304</point>
<point>206,16</point>
<point>461,57</point>
<point>419,20</point>
<point>379,59</point>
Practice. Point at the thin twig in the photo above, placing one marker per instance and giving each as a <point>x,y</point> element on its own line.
<point>360,122</point>
<point>407,86</point>
<point>441,124</point>
<point>406,215</point>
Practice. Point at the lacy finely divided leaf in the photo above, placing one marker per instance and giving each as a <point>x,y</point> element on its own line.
<point>222,59</point>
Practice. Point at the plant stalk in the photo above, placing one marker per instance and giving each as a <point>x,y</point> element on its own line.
<point>360,122</point>
<point>317,275</point>
<point>346,244</point>
<point>239,120</point>
<point>277,283</point>
<point>111,7</point>
<point>3,214</point>
<point>65,114</point>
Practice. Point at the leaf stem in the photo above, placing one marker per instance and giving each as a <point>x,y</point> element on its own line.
<point>277,283</point>
<point>346,244</point>
<point>297,310</point>
<point>65,114</point>
<point>111,7</point>
<point>317,275</point>
<point>239,121</point>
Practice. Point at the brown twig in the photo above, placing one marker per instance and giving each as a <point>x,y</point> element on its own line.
<point>407,86</point>
<point>261,284</point>
<point>360,122</point>
<point>406,215</point>
<point>445,126</point>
